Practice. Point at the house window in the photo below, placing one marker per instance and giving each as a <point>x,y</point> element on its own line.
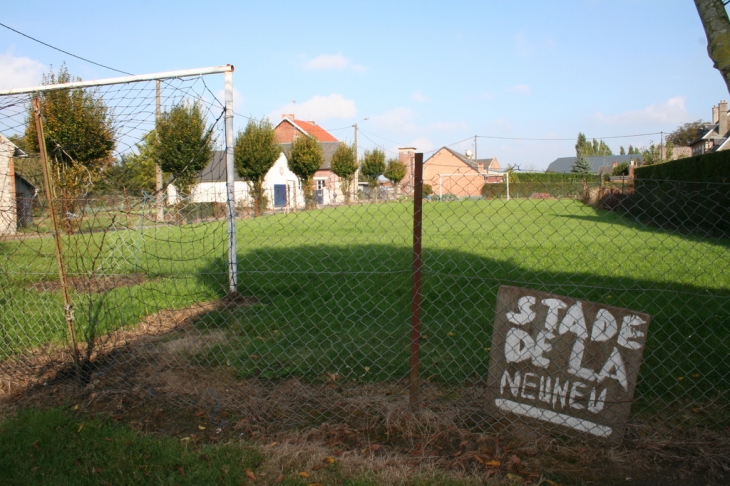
<point>321,183</point>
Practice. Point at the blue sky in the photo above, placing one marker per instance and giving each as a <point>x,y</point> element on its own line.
<point>425,74</point>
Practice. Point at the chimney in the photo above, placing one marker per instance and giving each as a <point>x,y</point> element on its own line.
<point>714,114</point>
<point>722,115</point>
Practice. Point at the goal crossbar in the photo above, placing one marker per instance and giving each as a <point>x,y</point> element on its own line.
<point>228,68</point>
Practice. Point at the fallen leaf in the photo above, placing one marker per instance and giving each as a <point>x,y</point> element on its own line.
<point>273,444</point>
<point>367,368</point>
<point>225,469</point>
<point>280,478</point>
<point>181,470</point>
<point>456,454</point>
<point>204,457</point>
<point>375,447</point>
<point>97,470</point>
<point>479,459</point>
<point>680,378</point>
<point>36,446</point>
<point>493,463</point>
<point>315,484</point>
<point>201,427</point>
<point>304,474</point>
<point>253,356</point>
<point>34,469</point>
<point>514,477</point>
<point>330,460</point>
<point>80,427</point>
<point>695,375</point>
<point>108,439</point>
<point>452,334</point>
<point>199,414</point>
<point>319,466</point>
<point>250,475</point>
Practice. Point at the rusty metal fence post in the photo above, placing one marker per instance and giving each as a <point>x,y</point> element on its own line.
<point>416,292</point>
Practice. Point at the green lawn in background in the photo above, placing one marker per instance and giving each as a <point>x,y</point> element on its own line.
<point>334,287</point>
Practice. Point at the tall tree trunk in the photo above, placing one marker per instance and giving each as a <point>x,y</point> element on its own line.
<point>717,28</point>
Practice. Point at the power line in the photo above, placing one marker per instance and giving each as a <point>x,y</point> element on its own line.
<point>567,139</point>
<point>65,52</point>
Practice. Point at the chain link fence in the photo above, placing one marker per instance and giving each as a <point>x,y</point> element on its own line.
<point>320,328</point>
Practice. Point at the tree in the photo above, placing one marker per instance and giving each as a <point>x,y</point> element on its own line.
<point>304,159</point>
<point>255,153</point>
<point>622,151</point>
<point>344,165</point>
<point>685,134</point>
<point>652,155</point>
<point>621,169</point>
<point>184,146</point>
<point>581,165</point>
<point>134,173</point>
<point>79,133</point>
<point>717,29</point>
<point>373,166</point>
<point>395,171</point>
<point>593,148</point>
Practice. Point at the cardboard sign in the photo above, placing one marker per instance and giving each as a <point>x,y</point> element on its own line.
<point>565,362</point>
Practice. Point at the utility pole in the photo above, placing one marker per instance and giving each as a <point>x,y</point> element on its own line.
<point>357,159</point>
<point>158,169</point>
<point>662,146</point>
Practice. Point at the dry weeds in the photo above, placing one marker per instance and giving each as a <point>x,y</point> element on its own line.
<point>145,376</point>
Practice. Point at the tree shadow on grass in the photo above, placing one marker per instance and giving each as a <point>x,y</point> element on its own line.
<point>344,312</point>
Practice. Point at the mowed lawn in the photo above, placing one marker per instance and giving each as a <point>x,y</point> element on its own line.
<point>334,287</point>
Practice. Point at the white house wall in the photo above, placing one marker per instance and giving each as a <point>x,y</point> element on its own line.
<point>216,191</point>
<point>8,214</point>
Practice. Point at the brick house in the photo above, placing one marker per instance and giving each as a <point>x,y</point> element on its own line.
<point>449,172</point>
<point>326,182</point>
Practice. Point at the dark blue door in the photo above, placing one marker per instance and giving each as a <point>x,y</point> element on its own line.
<point>279,195</point>
<point>320,196</point>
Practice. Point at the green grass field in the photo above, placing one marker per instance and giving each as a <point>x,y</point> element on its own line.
<point>334,288</point>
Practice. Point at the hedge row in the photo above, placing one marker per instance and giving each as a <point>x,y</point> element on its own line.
<point>572,189</point>
<point>546,177</point>
<point>689,194</point>
<point>712,167</point>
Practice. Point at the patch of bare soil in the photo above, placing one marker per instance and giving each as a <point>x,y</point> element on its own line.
<point>94,285</point>
<point>146,378</point>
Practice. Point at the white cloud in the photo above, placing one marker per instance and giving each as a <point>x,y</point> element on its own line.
<point>328,62</point>
<point>399,120</point>
<point>522,89</point>
<point>420,97</point>
<point>19,72</point>
<point>318,108</point>
<point>672,111</point>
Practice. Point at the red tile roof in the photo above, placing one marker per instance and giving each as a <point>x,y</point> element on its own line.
<point>312,129</point>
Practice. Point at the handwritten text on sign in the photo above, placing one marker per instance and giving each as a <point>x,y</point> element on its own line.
<point>564,361</point>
